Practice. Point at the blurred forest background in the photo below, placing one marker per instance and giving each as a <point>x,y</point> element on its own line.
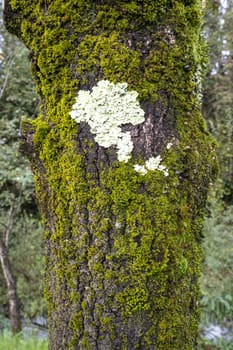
<point>20,226</point>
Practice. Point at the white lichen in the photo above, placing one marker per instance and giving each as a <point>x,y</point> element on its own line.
<point>169,35</point>
<point>153,163</point>
<point>106,109</point>
<point>198,77</point>
<point>140,169</point>
<point>169,145</point>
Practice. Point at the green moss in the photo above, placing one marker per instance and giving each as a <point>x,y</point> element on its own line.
<point>132,240</point>
<point>42,130</point>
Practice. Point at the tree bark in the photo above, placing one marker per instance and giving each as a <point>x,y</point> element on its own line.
<point>11,288</point>
<point>123,237</point>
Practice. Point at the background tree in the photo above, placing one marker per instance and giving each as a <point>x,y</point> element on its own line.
<point>217,282</point>
<point>218,92</point>
<point>121,189</point>
<point>21,233</point>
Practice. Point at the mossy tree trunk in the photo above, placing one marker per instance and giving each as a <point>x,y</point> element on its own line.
<point>123,237</point>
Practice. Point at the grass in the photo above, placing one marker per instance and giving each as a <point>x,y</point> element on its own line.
<point>18,342</point>
<point>218,345</point>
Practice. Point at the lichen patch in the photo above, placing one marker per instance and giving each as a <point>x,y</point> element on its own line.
<point>106,109</point>
<point>153,163</point>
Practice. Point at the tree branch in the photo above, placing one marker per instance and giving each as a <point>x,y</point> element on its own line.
<point>11,287</point>
<point>7,75</point>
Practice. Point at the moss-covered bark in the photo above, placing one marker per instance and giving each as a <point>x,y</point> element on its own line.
<point>123,249</point>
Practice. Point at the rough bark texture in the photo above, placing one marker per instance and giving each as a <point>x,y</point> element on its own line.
<point>123,249</point>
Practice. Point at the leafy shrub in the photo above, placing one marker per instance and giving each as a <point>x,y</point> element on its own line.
<point>217,281</point>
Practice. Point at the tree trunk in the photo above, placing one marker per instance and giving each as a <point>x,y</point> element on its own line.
<point>121,181</point>
<point>11,289</point>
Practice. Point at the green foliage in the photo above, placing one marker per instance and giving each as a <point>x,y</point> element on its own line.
<point>220,344</point>
<point>19,220</point>
<point>26,253</point>
<point>17,88</point>
<point>217,281</point>
<point>218,93</point>
<point>19,342</point>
